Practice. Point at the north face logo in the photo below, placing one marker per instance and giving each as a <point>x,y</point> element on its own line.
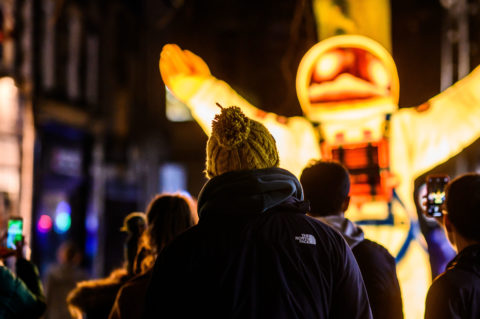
<point>306,239</point>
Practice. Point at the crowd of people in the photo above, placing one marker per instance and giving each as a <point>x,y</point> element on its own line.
<point>262,244</point>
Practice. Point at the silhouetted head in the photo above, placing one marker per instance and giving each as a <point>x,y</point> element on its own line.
<point>134,224</point>
<point>463,205</point>
<point>326,186</point>
<point>167,216</point>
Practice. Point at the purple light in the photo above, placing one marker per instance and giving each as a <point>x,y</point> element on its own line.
<point>91,223</point>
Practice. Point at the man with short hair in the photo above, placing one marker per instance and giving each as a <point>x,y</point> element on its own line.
<point>456,292</point>
<point>327,185</point>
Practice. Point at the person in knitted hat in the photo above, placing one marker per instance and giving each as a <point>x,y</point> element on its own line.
<point>239,143</point>
<point>254,253</point>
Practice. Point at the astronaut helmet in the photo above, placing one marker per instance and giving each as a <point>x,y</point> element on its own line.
<point>347,76</point>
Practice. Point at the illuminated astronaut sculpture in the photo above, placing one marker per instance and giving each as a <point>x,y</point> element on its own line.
<point>348,89</point>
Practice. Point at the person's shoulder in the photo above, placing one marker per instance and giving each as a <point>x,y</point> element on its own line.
<point>373,250</point>
<point>445,290</point>
<point>135,286</point>
<point>6,275</point>
<point>456,278</point>
<point>186,237</point>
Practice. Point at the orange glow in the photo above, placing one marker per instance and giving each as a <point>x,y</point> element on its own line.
<point>371,71</point>
<point>361,158</point>
<point>328,66</point>
<point>378,74</point>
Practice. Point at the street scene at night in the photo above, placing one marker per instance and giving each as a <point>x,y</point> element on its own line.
<point>239,159</point>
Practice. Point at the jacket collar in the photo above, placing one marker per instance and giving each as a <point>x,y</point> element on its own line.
<point>352,233</point>
<point>252,191</point>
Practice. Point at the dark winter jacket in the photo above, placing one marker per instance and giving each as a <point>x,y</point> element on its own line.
<point>377,266</point>
<point>255,254</point>
<point>456,293</point>
<point>21,296</point>
<point>380,276</point>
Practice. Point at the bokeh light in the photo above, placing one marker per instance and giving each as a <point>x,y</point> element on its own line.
<point>63,220</point>
<point>44,224</point>
<point>91,223</point>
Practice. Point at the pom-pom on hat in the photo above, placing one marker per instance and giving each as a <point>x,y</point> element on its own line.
<point>239,143</point>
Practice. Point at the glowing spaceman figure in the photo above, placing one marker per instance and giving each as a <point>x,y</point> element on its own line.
<point>348,89</point>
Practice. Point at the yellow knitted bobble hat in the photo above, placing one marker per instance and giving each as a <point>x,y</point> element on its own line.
<point>238,143</point>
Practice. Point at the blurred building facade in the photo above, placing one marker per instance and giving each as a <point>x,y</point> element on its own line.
<point>100,145</point>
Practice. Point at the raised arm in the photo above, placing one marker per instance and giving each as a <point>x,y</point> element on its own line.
<point>443,126</point>
<point>189,79</point>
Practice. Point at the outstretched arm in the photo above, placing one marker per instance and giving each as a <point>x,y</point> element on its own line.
<point>442,127</point>
<point>188,77</point>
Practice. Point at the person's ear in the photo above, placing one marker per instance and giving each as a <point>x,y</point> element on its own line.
<point>447,223</point>
<point>345,204</point>
<point>450,230</point>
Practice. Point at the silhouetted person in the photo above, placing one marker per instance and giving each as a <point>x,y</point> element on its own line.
<point>456,292</point>
<point>168,215</point>
<point>61,278</point>
<point>134,225</point>
<point>95,298</point>
<point>327,185</point>
<point>254,253</point>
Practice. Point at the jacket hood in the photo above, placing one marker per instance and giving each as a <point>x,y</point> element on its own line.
<point>468,259</point>
<point>352,233</point>
<point>252,191</point>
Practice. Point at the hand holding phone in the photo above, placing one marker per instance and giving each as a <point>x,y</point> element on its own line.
<point>6,252</point>
<point>436,194</point>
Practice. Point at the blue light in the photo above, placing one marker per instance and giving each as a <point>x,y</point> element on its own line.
<point>63,207</point>
<point>91,223</point>
<point>62,217</point>
<point>62,223</point>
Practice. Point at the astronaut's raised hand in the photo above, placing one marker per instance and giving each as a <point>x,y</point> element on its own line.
<point>182,71</point>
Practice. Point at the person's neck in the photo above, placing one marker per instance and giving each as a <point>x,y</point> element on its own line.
<point>461,242</point>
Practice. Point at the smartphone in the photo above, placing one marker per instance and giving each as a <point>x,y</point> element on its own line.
<point>436,194</point>
<point>14,232</point>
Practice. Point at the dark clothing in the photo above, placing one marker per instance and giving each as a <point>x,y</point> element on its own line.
<point>95,298</point>
<point>377,266</point>
<point>130,302</point>
<point>21,296</point>
<point>255,254</point>
<point>456,292</point>
<point>380,276</point>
